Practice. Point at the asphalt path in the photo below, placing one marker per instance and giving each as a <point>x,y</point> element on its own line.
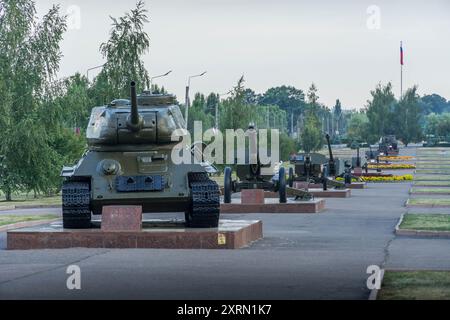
<point>302,256</point>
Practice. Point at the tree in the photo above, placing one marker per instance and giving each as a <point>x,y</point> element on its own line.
<point>197,112</point>
<point>73,97</point>
<point>434,103</point>
<point>443,127</point>
<point>311,136</point>
<point>357,129</point>
<point>288,146</point>
<point>438,125</point>
<point>289,99</point>
<point>123,51</point>
<point>337,118</point>
<point>380,112</point>
<point>235,112</point>
<point>212,100</point>
<point>29,56</point>
<point>407,114</point>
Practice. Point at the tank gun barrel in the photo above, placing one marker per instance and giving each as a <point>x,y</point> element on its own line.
<point>134,120</point>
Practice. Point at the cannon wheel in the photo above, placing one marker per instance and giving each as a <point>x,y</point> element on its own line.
<point>227,185</point>
<point>282,185</point>
<point>291,177</point>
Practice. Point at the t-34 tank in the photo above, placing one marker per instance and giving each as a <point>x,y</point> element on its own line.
<point>128,162</point>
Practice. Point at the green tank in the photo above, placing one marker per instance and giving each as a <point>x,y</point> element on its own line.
<point>128,162</point>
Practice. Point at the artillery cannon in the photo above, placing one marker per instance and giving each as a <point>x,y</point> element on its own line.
<point>128,162</point>
<point>316,168</point>
<point>255,175</point>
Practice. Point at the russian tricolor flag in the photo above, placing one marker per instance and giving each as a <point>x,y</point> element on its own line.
<point>401,53</point>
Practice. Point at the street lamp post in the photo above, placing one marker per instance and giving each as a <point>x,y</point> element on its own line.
<point>161,75</point>
<point>93,68</point>
<point>187,102</point>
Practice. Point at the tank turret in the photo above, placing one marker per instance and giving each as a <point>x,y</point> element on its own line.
<point>145,119</point>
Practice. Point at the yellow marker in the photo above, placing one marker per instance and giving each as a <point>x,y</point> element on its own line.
<point>221,239</point>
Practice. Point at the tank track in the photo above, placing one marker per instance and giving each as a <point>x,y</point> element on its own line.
<point>204,209</point>
<point>76,209</point>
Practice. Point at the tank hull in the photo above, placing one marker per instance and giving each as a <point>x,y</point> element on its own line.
<point>171,195</point>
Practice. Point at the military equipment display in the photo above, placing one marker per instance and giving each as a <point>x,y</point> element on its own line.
<point>436,141</point>
<point>318,169</point>
<point>358,161</point>
<point>388,146</point>
<point>251,176</point>
<point>128,163</point>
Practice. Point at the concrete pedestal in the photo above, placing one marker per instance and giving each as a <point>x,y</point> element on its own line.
<point>121,218</point>
<point>252,196</point>
<point>273,206</point>
<point>231,234</point>
<point>353,185</point>
<point>319,193</point>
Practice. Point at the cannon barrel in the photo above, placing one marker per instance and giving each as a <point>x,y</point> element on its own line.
<point>332,165</point>
<point>134,120</point>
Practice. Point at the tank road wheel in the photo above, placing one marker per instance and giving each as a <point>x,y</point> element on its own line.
<point>282,185</point>
<point>76,209</point>
<point>291,177</point>
<point>204,208</point>
<point>227,185</point>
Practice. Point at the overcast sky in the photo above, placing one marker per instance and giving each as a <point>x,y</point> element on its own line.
<point>344,47</point>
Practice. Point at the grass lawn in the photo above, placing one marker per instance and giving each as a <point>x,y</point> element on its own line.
<point>426,222</point>
<point>10,219</point>
<point>435,177</point>
<point>443,160</point>
<point>430,190</point>
<point>434,171</point>
<point>429,202</point>
<point>433,183</point>
<point>415,285</point>
<point>25,200</point>
<point>433,166</point>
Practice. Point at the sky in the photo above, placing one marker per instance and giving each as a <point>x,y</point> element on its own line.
<point>345,47</point>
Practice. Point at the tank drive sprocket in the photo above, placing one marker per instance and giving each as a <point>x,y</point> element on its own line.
<point>204,208</point>
<point>76,210</point>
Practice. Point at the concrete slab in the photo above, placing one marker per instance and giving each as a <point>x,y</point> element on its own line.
<point>231,234</point>
<point>272,205</point>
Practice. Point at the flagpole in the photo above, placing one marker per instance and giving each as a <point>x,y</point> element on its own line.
<point>401,81</point>
<point>401,69</point>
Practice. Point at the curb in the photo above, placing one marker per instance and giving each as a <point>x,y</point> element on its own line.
<point>26,224</point>
<point>430,193</point>
<point>427,205</point>
<point>374,292</point>
<point>6,208</point>
<point>422,233</point>
<point>408,205</point>
<point>397,226</point>
<point>38,206</point>
<point>421,185</point>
